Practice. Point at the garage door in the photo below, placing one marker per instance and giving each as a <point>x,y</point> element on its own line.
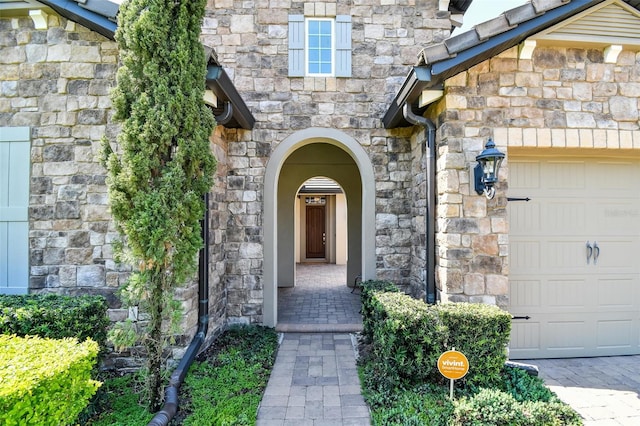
<point>574,257</point>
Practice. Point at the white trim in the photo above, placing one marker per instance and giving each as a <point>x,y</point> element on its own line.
<point>332,21</point>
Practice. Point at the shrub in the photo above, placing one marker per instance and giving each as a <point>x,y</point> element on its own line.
<point>55,316</point>
<point>481,332</point>
<point>409,340</point>
<point>494,407</point>
<point>525,387</point>
<point>369,315</point>
<point>45,381</point>
<point>488,407</point>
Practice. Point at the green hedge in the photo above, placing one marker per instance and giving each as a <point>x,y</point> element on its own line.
<point>55,316</point>
<point>370,315</point>
<point>45,381</point>
<point>408,336</point>
<point>408,342</point>
<point>481,332</point>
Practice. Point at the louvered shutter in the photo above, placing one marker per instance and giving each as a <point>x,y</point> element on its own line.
<point>343,46</point>
<point>296,45</point>
<point>14,205</point>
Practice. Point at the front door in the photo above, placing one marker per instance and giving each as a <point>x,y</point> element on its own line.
<point>316,236</point>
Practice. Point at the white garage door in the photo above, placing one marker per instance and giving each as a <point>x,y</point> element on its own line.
<point>574,257</point>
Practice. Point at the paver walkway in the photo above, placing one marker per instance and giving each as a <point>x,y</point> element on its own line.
<point>315,381</point>
<point>604,391</point>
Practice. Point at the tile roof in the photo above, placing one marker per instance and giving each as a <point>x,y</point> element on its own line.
<point>458,53</point>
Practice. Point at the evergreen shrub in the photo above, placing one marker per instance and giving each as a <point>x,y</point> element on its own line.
<point>55,316</point>
<point>45,381</point>
<point>369,315</point>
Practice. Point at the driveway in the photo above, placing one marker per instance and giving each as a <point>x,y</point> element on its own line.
<point>605,391</point>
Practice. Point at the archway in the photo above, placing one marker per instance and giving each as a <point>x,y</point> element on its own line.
<point>285,172</point>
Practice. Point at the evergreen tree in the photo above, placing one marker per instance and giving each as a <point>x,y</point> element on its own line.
<point>162,165</point>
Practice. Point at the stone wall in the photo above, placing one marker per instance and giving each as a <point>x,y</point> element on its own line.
<point>561,98</point>
<point>251,41</point>
<point>57,81</point>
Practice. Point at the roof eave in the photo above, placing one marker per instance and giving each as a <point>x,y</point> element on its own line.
<point>440,71</point>
<point>220,83</point>
<point>417,80</point>
<point>94,21</point>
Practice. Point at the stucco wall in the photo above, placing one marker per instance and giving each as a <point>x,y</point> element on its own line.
<point>561,98</point>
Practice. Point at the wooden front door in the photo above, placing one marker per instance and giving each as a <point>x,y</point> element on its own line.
<point>316,236</point>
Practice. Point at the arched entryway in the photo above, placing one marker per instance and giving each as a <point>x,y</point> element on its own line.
<point>305,154</point>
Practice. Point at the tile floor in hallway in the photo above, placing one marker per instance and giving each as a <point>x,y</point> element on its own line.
<point>320,301</point>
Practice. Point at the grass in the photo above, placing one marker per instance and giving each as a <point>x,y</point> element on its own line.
<point>223,387</point>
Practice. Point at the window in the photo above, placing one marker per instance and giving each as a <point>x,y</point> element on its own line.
<point>319,43</point>
<point>319,46</point>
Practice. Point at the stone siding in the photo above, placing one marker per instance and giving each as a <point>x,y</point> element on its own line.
<point>57,81</point>
<point>251,41</point>
<point>561,98</point>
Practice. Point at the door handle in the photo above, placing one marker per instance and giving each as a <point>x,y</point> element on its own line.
<point>589,252</point>
<point>596,252</point>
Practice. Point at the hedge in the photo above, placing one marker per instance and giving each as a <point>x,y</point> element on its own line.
<point>55,316</point>
<point>408,336</point>
<point>370,315</point>
<point>45,381</point>
<point>481,332</point>
<point>409,340</point>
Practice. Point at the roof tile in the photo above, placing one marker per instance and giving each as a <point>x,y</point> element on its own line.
<point>543,5</point>
<point>434,53</point>
<point>520,14</point>
<point>492,27</point>
<point>462,41</point>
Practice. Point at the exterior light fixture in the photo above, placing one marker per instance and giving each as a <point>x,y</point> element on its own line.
<point>486,171</point>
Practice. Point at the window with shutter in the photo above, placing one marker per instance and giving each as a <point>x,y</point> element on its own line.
<point>319,46</point>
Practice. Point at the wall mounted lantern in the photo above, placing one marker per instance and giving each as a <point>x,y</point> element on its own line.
<point>486,171</point>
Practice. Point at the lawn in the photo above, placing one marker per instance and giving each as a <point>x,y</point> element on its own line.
<point>224,385</point>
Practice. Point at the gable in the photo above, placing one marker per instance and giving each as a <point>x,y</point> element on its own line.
<point>611,22</point>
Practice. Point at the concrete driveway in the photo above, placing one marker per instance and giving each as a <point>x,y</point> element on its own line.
<point>605,391</point>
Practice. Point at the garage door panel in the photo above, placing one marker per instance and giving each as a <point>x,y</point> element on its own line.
<point>564,217</point>
<point>525,218</point>
<point>564,175</point>
<point>614,334</point>
<point>525,255</point>
<point>525,337</point>
<point>566,335</point>
<point>576,307</point>
<point>526,294</point>
<point>568,295</point>
<point>617,293</point>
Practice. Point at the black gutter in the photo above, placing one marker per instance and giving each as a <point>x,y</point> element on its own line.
<point>94,21</point>
<point>417,80</point>
<point>424,76</point>
<point>430,214</point>
<point>220,83</point>
<point>170,408</point>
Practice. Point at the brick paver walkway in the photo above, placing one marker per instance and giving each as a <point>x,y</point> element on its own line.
<point>315,381</point>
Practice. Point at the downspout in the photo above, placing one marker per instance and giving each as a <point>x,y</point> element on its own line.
<point>164,416</point>
<point>430,217</point>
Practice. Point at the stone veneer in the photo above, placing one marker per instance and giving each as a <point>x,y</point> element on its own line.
<point>561,98</point>
<point>251,41</point>
<point>56,81</point>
